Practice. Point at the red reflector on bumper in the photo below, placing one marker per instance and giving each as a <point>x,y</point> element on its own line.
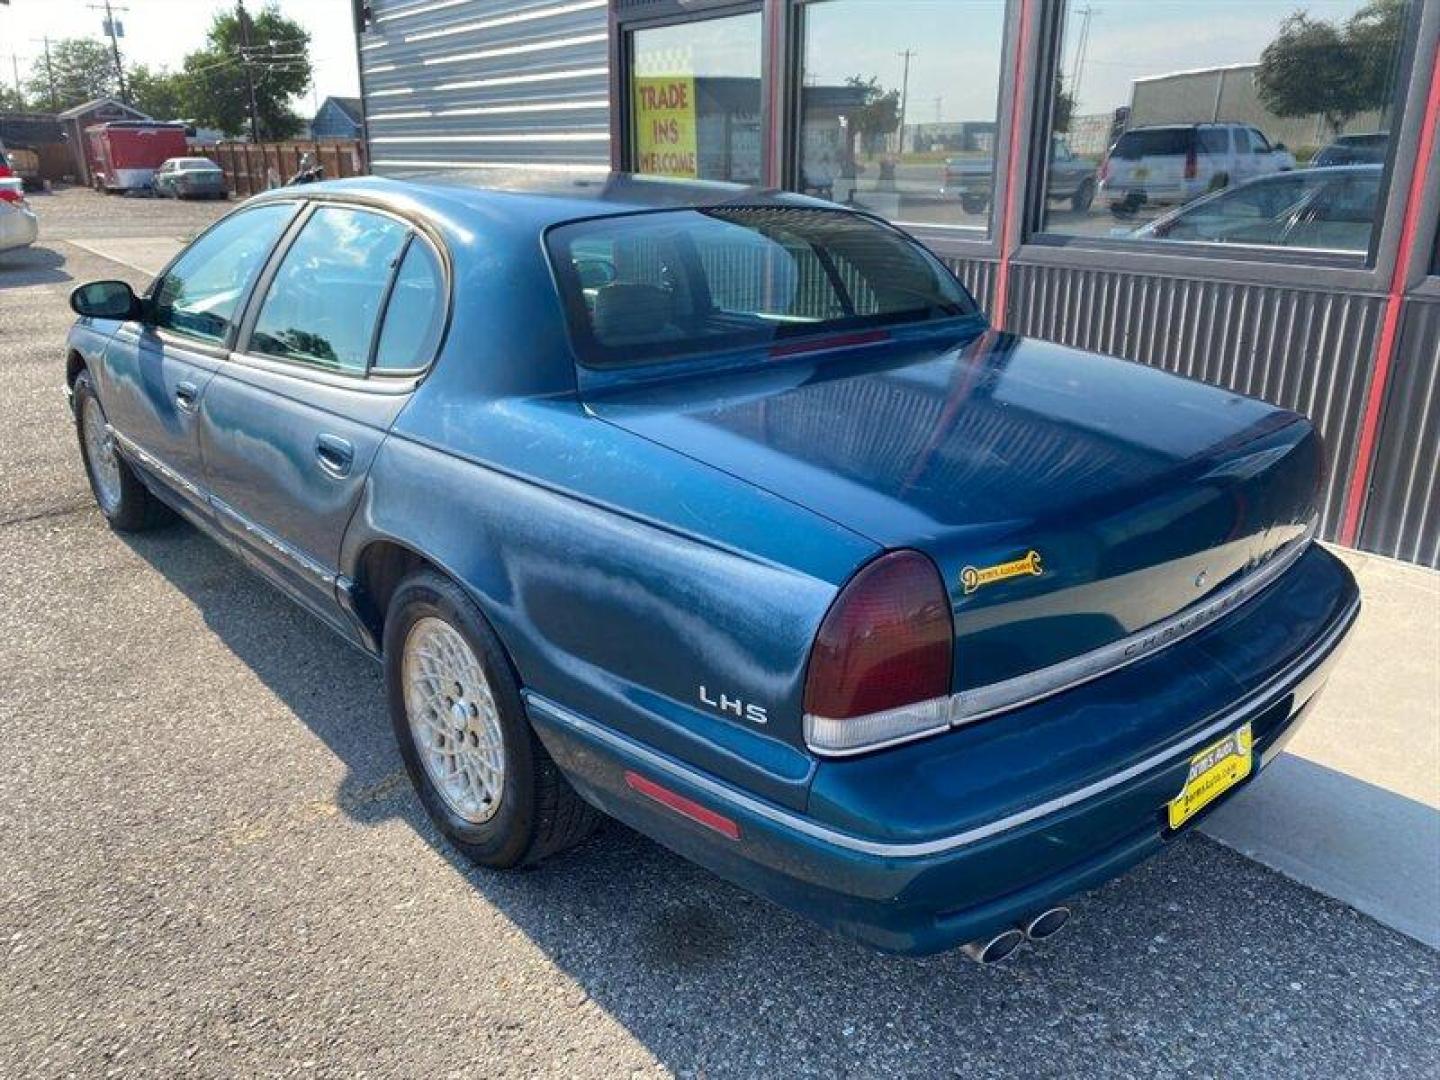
<point>683,806</point>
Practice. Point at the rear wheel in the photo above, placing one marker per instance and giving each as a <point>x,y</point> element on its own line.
<point>126,503</point>
<point>481,772</point>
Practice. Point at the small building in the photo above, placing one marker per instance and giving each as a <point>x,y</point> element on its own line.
<point>42,135</point>
<point>76,120</point>
<point>338,118</point>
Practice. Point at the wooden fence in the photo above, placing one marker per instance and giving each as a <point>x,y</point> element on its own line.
<point>252,167</point>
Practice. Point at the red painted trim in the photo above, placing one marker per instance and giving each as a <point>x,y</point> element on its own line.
<point>685,807</point>
<point>833,341</point>
<point>773,166</point>
<point>1013,185</point>
<point>1355,494</point>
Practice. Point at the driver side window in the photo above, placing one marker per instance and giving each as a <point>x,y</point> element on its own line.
<point>199,294</point>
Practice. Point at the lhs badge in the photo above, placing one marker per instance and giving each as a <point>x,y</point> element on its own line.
<point>972,577</point>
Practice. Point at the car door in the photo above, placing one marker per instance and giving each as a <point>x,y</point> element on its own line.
<point>161,180</point>
<point>155,372</point>
<point>291,425</point>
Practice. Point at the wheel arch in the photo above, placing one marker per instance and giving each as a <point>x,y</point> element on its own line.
<point>75,363</point>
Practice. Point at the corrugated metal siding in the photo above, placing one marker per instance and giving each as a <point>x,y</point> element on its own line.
<point>1307,351</point>
<point>978,275</point>
<point>487,84</point>
<point>1402,514</point>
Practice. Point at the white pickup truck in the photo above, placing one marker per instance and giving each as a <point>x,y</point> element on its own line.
<point>1174,163</point>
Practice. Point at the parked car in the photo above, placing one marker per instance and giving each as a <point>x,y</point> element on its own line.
<point>917,628</point>
<point>1176,163</point>
<point>1330,209</point>
<point>189,178</point>
<point>972,179</point>
<point>24,163</point>
<point>18,225</point>
<point>1368,148</point>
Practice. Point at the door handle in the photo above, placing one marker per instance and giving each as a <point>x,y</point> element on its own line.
<point>335,454</point>
<point>186,395</point>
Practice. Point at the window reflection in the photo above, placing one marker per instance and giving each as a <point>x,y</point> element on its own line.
<point>323,302</point>
<point>695,99</point>
<point>899,101</point>
<point>1159,105</point>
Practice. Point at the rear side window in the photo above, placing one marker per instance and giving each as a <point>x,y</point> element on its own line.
<point>1154,142</point>
<point>411,329</point>
<point>201,290</point>
<point>1215,140</point>
<point>653,286</point>
<point>325,299</point>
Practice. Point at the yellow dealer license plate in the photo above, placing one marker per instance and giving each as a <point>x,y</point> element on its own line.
<point>1213,771</point>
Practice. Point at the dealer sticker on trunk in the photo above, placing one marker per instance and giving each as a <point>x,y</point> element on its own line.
<point>1213,771</point>
<point>972,577</point>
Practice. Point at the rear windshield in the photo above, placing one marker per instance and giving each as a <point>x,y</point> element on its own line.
<point>191,164</point>
<point>1154,142</point>
<point>646,287</point>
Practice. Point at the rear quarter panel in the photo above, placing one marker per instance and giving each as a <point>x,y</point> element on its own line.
<point>622,577</point>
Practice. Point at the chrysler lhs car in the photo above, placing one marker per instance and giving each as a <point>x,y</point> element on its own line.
<point>725,513</point>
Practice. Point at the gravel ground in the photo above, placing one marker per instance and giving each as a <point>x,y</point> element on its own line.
<point>213,864</point>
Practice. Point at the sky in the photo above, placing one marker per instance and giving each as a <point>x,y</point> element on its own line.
<point>160,32</point>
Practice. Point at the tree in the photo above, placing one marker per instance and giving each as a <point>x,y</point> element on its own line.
<point>1314,66</point>
<point>12,100</point>
<point>83,70</point>
<point>879,110</point>
<point>159,93</point>
<point>1064,107</point>
<point>277,58</point>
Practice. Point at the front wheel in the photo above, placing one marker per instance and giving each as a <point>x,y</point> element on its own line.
<point>481,772</point>
<point>122,498</point>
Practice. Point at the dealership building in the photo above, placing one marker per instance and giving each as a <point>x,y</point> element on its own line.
<point>1145,180</point>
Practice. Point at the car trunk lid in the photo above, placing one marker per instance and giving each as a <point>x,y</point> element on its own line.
<point>1069,500</point>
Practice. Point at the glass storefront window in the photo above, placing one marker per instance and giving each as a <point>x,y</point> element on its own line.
<point>695,99</point>
<point>1239,122</point>
<point>899,102</point>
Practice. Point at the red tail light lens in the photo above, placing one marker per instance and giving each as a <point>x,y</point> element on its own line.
<point>1105,168</point>
<point>880,667</point>
<point>1192,165</point>
<point>11,195</point>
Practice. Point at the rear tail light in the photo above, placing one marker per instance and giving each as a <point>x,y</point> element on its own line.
<point>1192,166</point>
<point>881,664</point>
<point>1105,168</point>
<point>12,195</point>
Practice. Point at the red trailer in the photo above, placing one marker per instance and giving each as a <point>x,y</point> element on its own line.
<point>124,154</point>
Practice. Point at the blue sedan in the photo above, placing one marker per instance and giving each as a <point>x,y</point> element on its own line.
<point>725,513</point>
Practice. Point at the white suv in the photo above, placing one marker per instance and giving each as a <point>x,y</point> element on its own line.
<point>1175,163</point>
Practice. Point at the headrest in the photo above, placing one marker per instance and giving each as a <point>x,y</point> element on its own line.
<point>627,311</point>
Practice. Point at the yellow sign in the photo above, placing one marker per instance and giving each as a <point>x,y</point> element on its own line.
<point>1213,771</point>
<point>972,577</point>
<point>665,125</point>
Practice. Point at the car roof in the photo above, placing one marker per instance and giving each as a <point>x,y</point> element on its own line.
<point>531,202</point>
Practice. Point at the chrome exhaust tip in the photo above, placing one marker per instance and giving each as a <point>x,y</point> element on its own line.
<point>1047,924</point>
<point>993,949</point>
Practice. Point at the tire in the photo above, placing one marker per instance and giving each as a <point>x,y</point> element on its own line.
<point>1083,197</point>
<point>536,813</point>
<point>974,204</point>
<point>1219,182</point>
<point>124,500</point>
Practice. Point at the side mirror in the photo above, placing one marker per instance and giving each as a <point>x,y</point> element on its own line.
<point>1279,146</point>
<point>105,300</point>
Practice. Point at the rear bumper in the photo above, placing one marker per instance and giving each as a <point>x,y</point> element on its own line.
<point>866,859</point>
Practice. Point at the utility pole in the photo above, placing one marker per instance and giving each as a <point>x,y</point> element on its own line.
<point>904,94</point>
<point>1082,45</point>
<point>49,73</point>
<point>113,30</point>
<point>243,18</point>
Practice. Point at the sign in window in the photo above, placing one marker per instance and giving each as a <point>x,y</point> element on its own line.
<point>695,99</point>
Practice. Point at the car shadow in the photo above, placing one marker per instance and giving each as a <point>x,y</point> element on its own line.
<point>31,266</point>
<point>1198,961</point>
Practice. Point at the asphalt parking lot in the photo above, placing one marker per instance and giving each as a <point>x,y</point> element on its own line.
<point>213,864</point>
